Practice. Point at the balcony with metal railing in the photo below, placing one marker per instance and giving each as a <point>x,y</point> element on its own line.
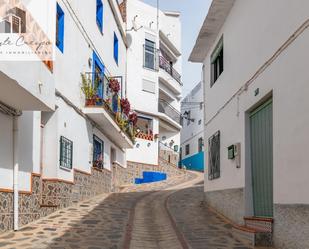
<point>167,67</point>
<point>104,105</point>
<point>170,114</point>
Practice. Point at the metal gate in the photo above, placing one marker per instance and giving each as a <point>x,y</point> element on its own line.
<point>261,129</point>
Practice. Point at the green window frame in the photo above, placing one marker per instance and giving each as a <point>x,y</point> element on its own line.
<point>66,153</point>
<point>217,62</point>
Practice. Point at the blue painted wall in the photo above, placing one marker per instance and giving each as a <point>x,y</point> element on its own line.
<point>149,176</point>
<point>195,162</point>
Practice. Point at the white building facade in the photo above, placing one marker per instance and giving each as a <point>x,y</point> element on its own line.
<point>192,132</point>
<point>256,127</point>
<point>154,80</point>
<point>72,127</point>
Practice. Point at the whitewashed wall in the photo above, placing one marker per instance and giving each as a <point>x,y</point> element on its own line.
<point>143,101</point>
<point>68,67</point>
<point>247,36</point>
<point>192,132</point>
<point>29,149</point>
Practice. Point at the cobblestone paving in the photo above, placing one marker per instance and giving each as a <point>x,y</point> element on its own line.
<point>137,218</point>
<point>201,228</point>
<point>99,223</point>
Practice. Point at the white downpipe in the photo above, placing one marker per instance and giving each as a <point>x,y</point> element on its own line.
<point>16,169</point>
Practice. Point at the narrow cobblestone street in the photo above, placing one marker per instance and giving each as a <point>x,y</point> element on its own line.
<point>167,215</point>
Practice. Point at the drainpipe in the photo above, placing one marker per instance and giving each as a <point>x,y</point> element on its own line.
<point>15,170</point>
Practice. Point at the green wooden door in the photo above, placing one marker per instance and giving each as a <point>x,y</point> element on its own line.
<point>261,125</point>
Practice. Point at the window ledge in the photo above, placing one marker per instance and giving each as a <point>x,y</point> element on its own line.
<point>65,169</point>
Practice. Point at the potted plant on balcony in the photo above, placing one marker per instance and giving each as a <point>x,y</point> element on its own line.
<point>133,118</point>
<point>131,124</point>
<point>121,121</point>
<point>114,85</point>
<point>125,106</point>
<point>89,89</point>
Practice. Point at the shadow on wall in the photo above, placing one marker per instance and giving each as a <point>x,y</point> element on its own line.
<point>195,162</point>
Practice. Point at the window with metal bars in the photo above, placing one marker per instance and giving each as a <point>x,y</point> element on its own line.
<point>66,153</point>
<point>98,151</point>
<point>214,156</point>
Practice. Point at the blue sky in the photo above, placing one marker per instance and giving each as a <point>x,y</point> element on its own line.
<point>193,13</point>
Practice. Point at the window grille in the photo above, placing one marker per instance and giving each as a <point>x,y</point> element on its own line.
<point>66,153</point>
<point>214,156</point>
<point>98,151</point>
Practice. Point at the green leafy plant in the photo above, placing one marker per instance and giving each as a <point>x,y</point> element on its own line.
<point>89,89</point>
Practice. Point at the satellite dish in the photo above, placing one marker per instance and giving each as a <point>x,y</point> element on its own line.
<point>129,40</point>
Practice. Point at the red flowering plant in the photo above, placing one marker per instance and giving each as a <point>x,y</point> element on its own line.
<point>114,85</point>
<point>125,106</point>
<point>133,118</point>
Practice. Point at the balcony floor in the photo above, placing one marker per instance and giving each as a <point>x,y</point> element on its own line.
<point>109,126</point>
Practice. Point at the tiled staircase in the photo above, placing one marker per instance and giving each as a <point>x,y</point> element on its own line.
<point>256,231</point>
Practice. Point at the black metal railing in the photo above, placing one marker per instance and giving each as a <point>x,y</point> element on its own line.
<point>100,94</point>
<point>151,57</point>
<point>166,66</point>
<point>166,108</point>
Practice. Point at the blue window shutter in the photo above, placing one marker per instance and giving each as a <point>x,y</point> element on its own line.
<point>98,63</point>
<point>60,28</point>
<point>99,14</point>
<point>116,48</point>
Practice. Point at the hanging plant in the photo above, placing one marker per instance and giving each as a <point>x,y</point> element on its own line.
<point>133,118</point>
<point>125,106</point>
<point>114,85</point>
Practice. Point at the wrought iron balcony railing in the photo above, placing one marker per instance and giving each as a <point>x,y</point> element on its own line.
<point>170,111</point>
<point>166,66</point>
<point>105,92</point>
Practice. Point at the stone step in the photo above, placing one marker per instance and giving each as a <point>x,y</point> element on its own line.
<point>260,223</point>
<point>256,231</point>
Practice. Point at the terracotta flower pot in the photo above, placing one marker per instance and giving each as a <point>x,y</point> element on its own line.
<point>90,102</point>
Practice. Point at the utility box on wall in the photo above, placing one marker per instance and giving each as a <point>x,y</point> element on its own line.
<point>234,153</point>
<point>231,152</point>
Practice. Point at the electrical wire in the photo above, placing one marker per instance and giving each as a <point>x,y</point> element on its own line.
<point>244,88</point>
